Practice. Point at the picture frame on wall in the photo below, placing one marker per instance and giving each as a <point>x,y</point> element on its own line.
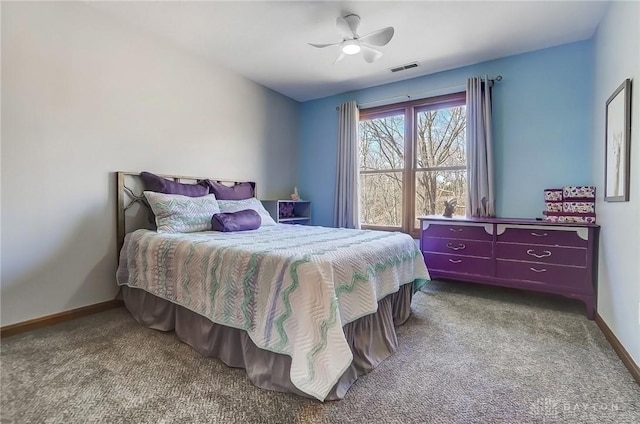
<point>617,158</point>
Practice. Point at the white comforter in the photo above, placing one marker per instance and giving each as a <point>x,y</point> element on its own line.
<point>291,287</point>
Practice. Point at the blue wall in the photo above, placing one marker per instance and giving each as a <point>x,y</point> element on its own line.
<point>541,117</point>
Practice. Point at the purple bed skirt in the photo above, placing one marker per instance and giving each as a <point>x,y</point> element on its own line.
<point>371,338</point>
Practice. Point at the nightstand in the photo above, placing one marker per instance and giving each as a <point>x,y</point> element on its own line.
<point>289,211</point>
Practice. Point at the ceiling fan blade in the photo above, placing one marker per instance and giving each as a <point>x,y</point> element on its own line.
<point>320,46</point>
<point>339,58</point>
<point>378,38</point>
<point>348,26</point>
<point>343,27</point>
<point>370,54</point>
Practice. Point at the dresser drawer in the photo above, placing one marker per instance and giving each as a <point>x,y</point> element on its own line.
<point>465,232</point>
<point>458,264</point>
<point>458,246</point>
<point>550,237</point>
<point>542,254</point>
<point>556,275</point>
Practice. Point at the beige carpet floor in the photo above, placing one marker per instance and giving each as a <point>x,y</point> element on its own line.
<point>469,354</point>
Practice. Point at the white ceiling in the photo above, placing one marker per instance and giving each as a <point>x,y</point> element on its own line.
<point>266,41</point>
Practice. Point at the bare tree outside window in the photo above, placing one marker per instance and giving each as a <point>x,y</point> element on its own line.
<point>395,177</point>
<point>441,171</point>
<point>381,170</point>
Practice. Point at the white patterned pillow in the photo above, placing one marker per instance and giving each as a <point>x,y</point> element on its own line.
<point>182,214</point>
<point>251,203</point>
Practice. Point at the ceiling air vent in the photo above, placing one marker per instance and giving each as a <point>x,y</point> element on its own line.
<point>403,67</point>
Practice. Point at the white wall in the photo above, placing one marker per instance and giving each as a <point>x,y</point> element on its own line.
<point>617,57</point>
<point>84,96</point>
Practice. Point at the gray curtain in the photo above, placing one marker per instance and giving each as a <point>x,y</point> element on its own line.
<point>480,177</point>
<point>347,209</point>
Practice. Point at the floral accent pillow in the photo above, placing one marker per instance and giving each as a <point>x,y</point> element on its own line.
<point>182,214</point>
<point>251,203</point>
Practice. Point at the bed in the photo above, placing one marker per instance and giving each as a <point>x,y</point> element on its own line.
<point>302,309</point>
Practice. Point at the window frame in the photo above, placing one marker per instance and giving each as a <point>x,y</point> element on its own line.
<point>384,112</point>
<point>410,109</point>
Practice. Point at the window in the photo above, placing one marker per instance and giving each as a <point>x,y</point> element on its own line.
<point>382,167</point>
<point>412,159</point>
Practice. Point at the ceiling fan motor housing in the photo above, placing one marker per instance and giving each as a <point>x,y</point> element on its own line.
<point>354,22</point>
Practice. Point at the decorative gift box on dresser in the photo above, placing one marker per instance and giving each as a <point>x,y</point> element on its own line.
<point>570,204</point>
<point>520,253</point>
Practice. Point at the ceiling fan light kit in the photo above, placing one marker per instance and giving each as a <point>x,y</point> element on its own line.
<point>352,43</point>
<point>351,47</point>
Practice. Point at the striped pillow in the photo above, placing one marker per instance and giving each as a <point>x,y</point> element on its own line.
<point>181,214</point>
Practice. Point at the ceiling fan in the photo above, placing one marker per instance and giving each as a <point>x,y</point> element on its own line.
<point>352,43</point>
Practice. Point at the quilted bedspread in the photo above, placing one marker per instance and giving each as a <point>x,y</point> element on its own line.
<point>291,287</point>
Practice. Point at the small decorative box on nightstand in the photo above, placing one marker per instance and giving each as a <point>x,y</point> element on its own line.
<point>520,253</point>
<point>289,211</point>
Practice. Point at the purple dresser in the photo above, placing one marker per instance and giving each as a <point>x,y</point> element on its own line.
<point>520,253</point>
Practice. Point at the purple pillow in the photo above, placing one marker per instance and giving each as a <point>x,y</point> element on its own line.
<point>246,219</point>
<point>162,185</point>
<point>239,191</point>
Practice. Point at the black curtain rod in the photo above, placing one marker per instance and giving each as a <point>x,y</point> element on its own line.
<point>494,79</point>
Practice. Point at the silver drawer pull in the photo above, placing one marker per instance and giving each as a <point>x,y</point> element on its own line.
<point>455,230</point>
<point>545,253</point>
<point>538,234</point>
<point>455,261</point>
<point>538,270</point>
<point>458,247</point>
